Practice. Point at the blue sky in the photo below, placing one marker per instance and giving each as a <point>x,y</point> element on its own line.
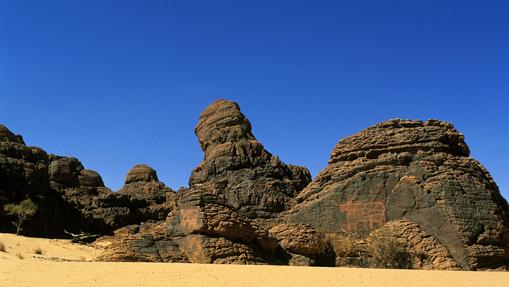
<point>115,83</point>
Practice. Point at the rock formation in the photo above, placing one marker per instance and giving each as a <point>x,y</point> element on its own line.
<point>72,198</point>
<point>411,179</point>
<point>24,175</point>
<point>102,211</point>
<point>428,253</point>
<point>152,199</point>
<point>237,181</point>
<point>141,173</point>
<point>234,197</point>
<point>417,171</point>
<point>252,181</point>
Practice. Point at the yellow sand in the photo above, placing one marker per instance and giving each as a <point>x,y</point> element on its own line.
<point>35,272</point>
<point>24,248</point>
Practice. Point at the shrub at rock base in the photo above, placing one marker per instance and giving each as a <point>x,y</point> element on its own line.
<point>22,211</point>
<point>387,252</point>
<point>380,250</point>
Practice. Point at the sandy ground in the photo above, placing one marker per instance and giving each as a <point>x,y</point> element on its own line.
<point>27,249</point>
<point>37,271</point>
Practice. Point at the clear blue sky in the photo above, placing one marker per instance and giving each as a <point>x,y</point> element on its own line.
<point>115,83</point>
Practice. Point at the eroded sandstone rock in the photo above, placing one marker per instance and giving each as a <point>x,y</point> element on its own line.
<point>7,136</point>
<point>304,244</point>
<point>234,195</point>
<point>420,171</point>
<point>102,211</point>
<point>71,198</point>
<point>141,173</point>
<point>235,192</point>
<point>252,181</point>
<point>147,242</point>
<point>413,179</point>
<point>24,175</point>
<point>426,251</point>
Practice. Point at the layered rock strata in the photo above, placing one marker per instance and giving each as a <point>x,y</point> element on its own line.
<point>252,180</point>
<point>412,179</point>
<point>70,198</point>
<point>24,175</point>
<point>235,195</point>
<point>102,211</point>
<point>417,171</point>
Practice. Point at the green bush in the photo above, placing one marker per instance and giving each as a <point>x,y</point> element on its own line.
<point>22,211</point>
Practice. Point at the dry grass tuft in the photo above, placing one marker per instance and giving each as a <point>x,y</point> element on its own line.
<point>387,252</point>
<point>381,249</point>
<point>38,250</point>
<point>349,249</point>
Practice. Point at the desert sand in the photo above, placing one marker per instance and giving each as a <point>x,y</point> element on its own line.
<point>24,248</point>
<point>63,263</point>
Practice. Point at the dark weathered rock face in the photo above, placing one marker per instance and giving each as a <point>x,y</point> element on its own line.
<point>413,170</point>
<point>237,182</point>
<point>411,179</point>
<point>69,172</point>
<point>147,242</point>
<point>72,198</point>
<point>7,136</point>
<point>303,244</point>
<point>24,175</point>
<point>252,181</point>
<point>101,210</point>
<point>429,253</point>
<point>234,196</point>
<point>152,198</point>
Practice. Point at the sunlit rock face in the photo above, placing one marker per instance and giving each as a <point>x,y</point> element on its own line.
<point>141,173</point>
<point>414,180</point>
<point>235,194</point>
<point>249,179</point>
<point>413,170</point>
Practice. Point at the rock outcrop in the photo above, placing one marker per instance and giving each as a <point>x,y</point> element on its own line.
<point>252,181</point>
<point>417,171</point>
<point>427,252</point>
<point>238,181</point>
<point>411,180</point>
<point>24,175</point>
<point>146,242</point>
<point>102,211</point>
<point>234,196</point>
<point>152,198</point>
<point>71,198</point>
<point>141,173</point>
